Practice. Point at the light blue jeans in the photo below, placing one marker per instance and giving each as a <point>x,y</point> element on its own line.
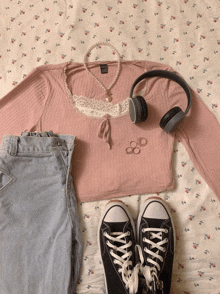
<point>40,241</point>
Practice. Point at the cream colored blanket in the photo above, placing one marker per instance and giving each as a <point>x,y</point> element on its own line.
<point>185,35</point>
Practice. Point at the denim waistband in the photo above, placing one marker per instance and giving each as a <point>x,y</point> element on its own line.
<point>36,142</point>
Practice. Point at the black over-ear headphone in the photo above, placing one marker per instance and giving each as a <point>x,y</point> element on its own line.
<point>138,107</point>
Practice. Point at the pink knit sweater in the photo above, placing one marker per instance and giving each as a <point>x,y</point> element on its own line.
<point>110,158</point>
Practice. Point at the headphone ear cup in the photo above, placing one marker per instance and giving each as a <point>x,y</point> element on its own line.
<point>138,109</point>
<point>172,119</point>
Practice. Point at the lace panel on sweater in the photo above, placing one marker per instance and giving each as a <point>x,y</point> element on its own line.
<point>95,108</point>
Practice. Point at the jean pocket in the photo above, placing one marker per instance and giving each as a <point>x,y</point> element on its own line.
<point>5,178</point>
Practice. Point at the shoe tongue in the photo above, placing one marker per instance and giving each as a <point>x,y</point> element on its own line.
<point>117,227</point>
<point>155,223</point>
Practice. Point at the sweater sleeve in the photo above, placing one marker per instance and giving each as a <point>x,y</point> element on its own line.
<point>22,107</point>
<point>199,132</point>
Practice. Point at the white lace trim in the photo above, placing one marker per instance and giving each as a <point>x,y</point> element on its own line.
<point>96,108</point>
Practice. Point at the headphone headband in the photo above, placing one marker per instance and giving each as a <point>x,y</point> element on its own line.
<point>169,75</point>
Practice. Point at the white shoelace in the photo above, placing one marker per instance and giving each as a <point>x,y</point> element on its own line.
<point>151,272</point>
<point>130,277</point>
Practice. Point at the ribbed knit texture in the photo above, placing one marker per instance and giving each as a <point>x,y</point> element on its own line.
<point>42,102</point>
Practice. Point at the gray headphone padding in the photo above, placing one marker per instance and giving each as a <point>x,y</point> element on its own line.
<point>131,101</point>
<point>174,122</point>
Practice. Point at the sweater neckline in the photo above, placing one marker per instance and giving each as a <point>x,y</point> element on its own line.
<point>96,108</point>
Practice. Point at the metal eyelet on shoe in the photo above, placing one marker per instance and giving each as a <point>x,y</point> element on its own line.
<point>142,230</point>
<point>166,231</point>
<point>129,233</point>
<point>166,239</point>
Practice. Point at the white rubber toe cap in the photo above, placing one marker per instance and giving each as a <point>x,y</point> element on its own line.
<point>116,212</point>
<point>156,210</point>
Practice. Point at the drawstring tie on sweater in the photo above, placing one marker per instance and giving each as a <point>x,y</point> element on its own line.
<point>105,130</point>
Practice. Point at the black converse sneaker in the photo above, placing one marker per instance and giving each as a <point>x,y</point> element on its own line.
<point>116,238</point>
<point>156,238</point>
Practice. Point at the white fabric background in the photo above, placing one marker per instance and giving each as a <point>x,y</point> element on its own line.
<point>183,34</point>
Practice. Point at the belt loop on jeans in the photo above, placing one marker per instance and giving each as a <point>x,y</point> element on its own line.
<point>13,145</point>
